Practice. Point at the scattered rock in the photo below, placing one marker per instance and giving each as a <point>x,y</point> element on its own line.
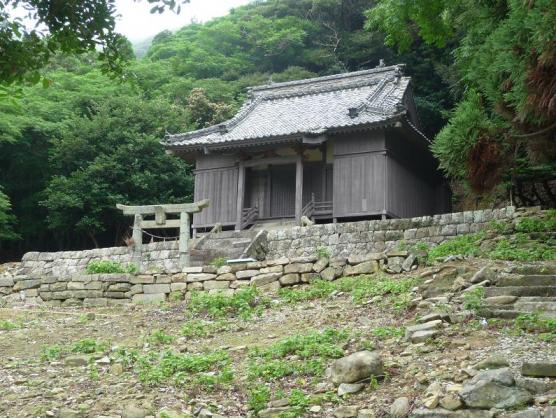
<point>315,409</point>
<point>347,388</point>
<point>272,412</point>
<point>451,401</point>
<point>427,326</point>
<point>356,367</point>
<point>76,361</point>
<point>346,412</point>
<point>400,408</point>
<point>134,411</point>
<point>527,413</point>
<point>493,362</point>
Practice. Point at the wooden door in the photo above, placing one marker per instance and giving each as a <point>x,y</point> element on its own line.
<point>282,191</point>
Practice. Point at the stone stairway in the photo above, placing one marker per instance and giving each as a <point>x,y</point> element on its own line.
<point>523,289</point>
<point>224,244</point>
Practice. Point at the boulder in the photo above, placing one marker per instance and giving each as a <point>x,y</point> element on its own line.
<point>264,279</point>
<point>527,413</point>
<point>76,361</point>
<point>289,279</point>
<point>408,262</point>
<point>356,367</point>
<point>493,389</point>
<point>246,274</point>
<point>427,326</point>
<point>298,268</point>
<point>395,264</point>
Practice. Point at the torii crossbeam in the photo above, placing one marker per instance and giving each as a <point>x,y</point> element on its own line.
<point>160,213</point>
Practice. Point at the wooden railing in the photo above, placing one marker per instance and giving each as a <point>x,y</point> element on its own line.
<point>249,216</point>
<point>316,209</point>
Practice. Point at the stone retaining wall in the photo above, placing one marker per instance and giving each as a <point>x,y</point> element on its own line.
<point>115,289</point>
<point>343,239</point>
<point>162,256</point>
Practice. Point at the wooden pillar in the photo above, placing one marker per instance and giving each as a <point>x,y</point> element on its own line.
<point>240,194</point>
<point>298,187</point>
<point>137,240</point>
<point>184,239</point>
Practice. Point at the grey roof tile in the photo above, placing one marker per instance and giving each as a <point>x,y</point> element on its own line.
<point>307,107</point>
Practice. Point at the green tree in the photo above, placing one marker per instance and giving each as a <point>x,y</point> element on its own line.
<point>503,70</point>
<point>7,220</point>
<point>67,27</point>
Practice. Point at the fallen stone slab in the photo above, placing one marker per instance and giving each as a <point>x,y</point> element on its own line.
<point>422,336</point>
<point>539,369</point>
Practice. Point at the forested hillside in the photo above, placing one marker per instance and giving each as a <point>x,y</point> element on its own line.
<point>71,151</point>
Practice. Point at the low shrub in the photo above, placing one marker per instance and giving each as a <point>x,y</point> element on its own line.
<point>464,245</point>
<point>89,346</point>
<point>473,300</point>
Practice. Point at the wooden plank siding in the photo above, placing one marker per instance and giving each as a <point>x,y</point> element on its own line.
<point>359,174</point>
<point>216,179</point>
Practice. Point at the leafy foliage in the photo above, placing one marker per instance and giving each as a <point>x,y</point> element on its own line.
<point>504,62</point>
<point>7,219</point>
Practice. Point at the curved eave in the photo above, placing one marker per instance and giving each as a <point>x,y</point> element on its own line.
<point>294,137</point>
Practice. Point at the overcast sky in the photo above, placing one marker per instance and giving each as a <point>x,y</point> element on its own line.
<point>137,23</point>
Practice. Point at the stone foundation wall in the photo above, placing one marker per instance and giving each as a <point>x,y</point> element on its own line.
<point>343,239</point>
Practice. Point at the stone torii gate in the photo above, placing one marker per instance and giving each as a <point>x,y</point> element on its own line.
<point>160,220</point>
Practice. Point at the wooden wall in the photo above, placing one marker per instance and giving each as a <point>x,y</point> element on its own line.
<point>359,174</point>
<point>408,195</point>
<point>216,179</point>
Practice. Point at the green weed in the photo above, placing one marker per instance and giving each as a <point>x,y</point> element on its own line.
<point>310,350</point>
<point>51,352</point>
<point>259,395</point>
<point>159,337</point>
<point>206,370</point>
<point>89,346</point>
<point>218,262</point>
<point>108,266</point>
<point>245,303</point>
<point>522,249</point>
<point>323,252</point>
<point>196,328</point>
<point>473,300</point>
<point>533,323</point>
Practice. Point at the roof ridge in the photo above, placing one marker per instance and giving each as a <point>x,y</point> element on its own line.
<point>338,76</point>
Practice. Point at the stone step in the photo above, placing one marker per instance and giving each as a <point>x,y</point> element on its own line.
<point>527,280</point>
<point>512,313</point>
<point>527,269</point>
<point>520,291</point>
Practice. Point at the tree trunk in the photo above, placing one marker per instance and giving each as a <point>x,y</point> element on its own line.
<point>93,238</point>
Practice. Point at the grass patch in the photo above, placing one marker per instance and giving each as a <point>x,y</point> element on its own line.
<point>533,323</point>
<point>464,245</point>
<point>361,288</point>
<point>6,325</point>
<point>245,303</point>
<point>218,262</point>
<point>197,328</point>
<point>388,332</point>
<point>108,266</point>
<point>520,248</point>
<point>298,355</point>
<point>208,370</point>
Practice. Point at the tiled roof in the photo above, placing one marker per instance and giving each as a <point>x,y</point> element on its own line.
<point>306,107</point>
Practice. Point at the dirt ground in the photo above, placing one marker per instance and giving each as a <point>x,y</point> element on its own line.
<point>33,386</point>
